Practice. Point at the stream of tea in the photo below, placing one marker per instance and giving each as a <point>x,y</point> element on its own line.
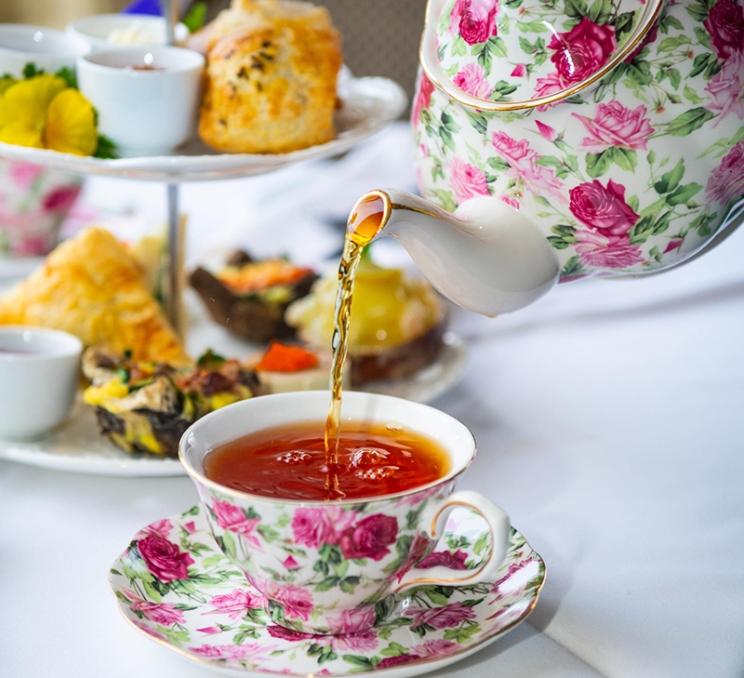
<point>363,225</point>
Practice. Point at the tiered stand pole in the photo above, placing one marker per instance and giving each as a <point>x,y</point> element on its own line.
<point>174,291</point>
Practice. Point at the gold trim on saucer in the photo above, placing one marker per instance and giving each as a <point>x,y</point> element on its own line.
<point>647,21</point>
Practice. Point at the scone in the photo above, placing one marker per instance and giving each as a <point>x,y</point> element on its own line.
<point>93,287</point>
<point>270,78</point>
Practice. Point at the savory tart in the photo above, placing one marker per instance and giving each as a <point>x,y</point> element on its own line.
<point>286,367</point>
<point>250,297</point>
<point>93,287</point>
<point>145,406</point>
<point>397,323</point>
<point>271,73</point>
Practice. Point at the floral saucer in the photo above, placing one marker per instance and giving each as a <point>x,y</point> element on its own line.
<point>174,584</point>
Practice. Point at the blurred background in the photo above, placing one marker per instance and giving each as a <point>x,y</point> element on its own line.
<point>380,37</point>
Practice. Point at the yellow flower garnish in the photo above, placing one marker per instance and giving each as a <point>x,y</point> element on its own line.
<point>44,112</point>
<point>71,124</point>
<point>24,109</point>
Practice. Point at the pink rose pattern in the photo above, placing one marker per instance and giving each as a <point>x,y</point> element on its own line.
<point>240,633</point>
<point>34,202</point>
<point>600,160</point>
<point>315,527</point>
<point>523,162</point>
<point>233,519</point>
<point>616,125</point>
<point>236,603</point>
<point>727,181</point>
<point>582,51</point>
<point>474,20</point>
<point>725,24</point>
<point>163,558</point>
<point>726,88</point>
<point>467,180</point>
<point>472,80</point>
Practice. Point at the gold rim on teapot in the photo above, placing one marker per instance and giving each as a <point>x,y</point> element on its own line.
<point>648,20</point>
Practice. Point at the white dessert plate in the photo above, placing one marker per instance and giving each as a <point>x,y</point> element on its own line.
<point>77,446</point>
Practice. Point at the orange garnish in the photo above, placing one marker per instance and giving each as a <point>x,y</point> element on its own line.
<point>284,358</point>
<point>260,275</point>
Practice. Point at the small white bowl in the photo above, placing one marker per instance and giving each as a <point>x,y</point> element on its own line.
<point>39,374</point>
<point>50,50</point>
<point>107,31</point>
<point>145,112</point>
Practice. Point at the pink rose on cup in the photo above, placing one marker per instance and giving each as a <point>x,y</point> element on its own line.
<point>523,165</point>
<point>423,98</point>
<point>602,208</point>
<point>61,198</point>
<point>616,125</point>
<point>472,79</point>
<point>475,19</point>
<point>455,561</point>
<point>354,630</point>
<point>467,180</point>
<point>164,559</point>
<point>296,601</point>
<point>370,538</point>
<point>232,518</point>
<point>727,88</point>
<point>439,617</point>
<point>598,250</point>
<point>582,50</point>
<point>725,24</point>
<point>546,86</point>
<point>160,613</point>
<point>317,526</point>
<point>727,181</point>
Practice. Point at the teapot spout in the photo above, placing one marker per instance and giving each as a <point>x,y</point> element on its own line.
<point>486,257</point>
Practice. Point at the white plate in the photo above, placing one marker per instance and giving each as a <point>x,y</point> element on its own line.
<point>78,447</point>
<point>368,105</point>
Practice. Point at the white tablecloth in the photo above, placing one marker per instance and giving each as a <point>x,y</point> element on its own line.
<point>610,421</point>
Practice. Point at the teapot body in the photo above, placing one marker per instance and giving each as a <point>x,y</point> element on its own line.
<point>627,171</point>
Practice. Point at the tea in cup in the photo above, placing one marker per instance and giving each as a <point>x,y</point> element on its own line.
<point>323,564</point>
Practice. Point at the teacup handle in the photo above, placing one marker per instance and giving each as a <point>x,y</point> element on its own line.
<point>436,518</point>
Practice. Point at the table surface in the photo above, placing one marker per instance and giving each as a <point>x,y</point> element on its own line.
<point>610,423</point>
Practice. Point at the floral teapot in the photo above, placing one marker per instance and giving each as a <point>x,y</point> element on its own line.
<point>612,128</point>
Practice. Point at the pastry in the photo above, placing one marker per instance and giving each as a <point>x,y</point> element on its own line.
<point>397,323</point>
<point>94,288</point>
<point>250,297</point>
<point>271,73</point>
<point>145,406</point>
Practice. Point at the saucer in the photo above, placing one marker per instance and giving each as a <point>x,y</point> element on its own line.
<point>184,593</point>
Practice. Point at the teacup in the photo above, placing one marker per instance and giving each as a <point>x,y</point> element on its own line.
<point>39,372</point>
<point>147,98</point>
<point>323,567</point>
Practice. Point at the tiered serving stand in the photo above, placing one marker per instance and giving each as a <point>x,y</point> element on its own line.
<point>367,106</point>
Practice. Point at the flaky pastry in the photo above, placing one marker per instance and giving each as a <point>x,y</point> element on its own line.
<point>92,287</point>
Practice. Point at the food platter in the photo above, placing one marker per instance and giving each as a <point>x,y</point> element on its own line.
<point>366,106</point>
<point>78,447</point>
